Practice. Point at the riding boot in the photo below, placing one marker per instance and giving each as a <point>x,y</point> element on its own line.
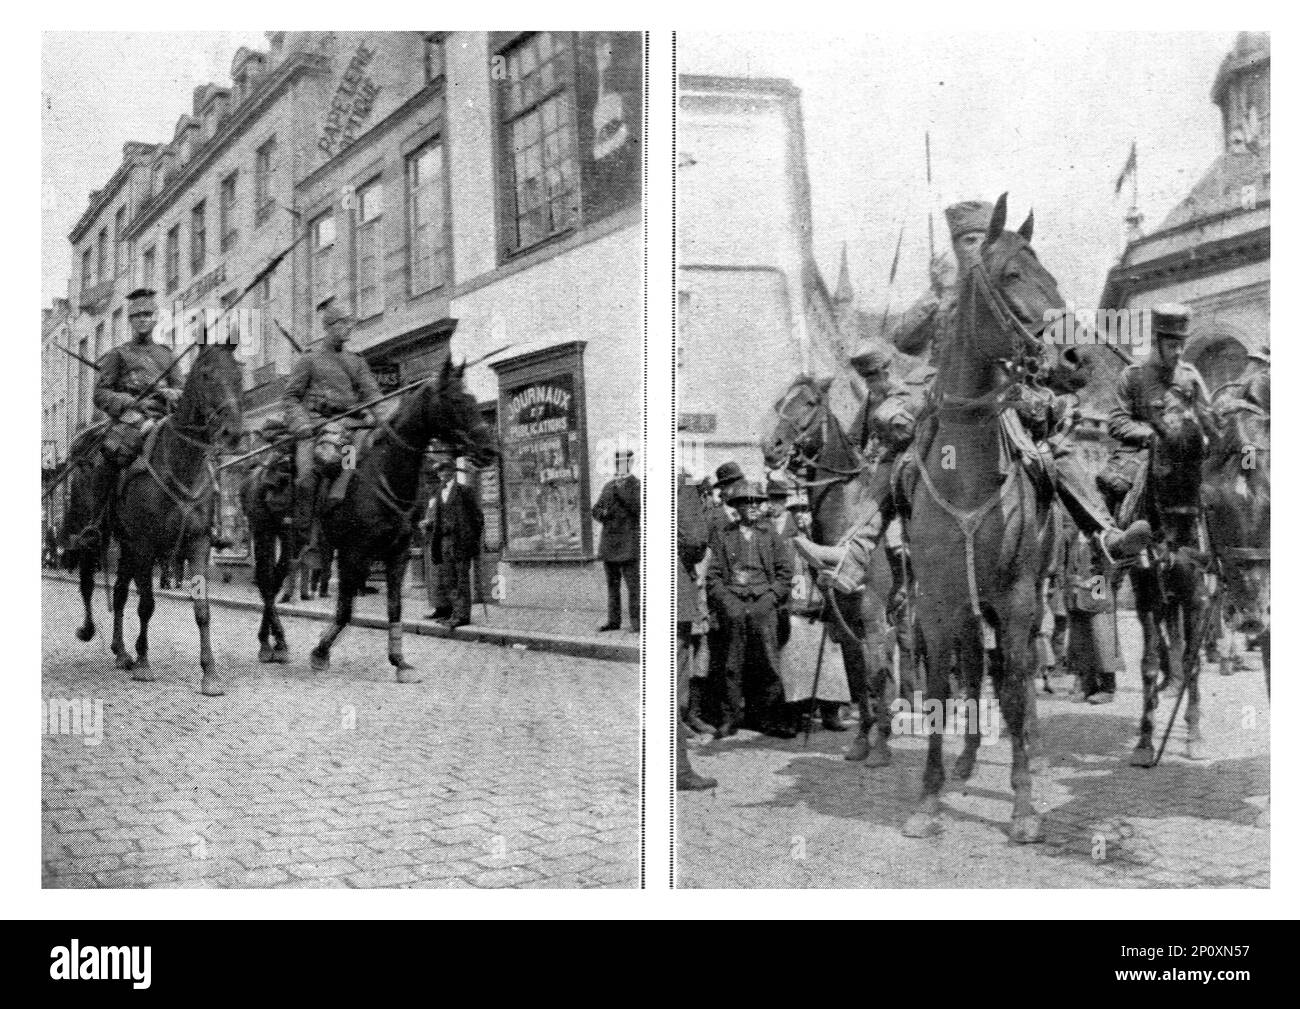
<point>897,568</point>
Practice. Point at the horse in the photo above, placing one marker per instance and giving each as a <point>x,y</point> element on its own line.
<point>807,439</point>
<point>979,528</point>
<point>164,508</point>
<point>374,519</point>
<point>266,496</point>
<point>1236,490</point>
<point>1169,592</point>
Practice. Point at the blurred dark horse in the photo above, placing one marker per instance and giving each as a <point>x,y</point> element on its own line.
<point>980,529</point>
<point>1169,592</point>
<point>808,439</point>
<point>375,518</point>
<point>1236,493</point>
<point>164,508</point>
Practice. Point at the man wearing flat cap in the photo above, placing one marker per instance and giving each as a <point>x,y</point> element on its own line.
<point>748,581</point>
<point>922,328</point>
<point>124,373</point>
<point>1135,422</point>
<point>324,383</point>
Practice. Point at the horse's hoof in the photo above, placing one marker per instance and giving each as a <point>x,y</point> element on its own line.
<point>1197,750</point>
<point>85,633</point>
<point>860,748</point>
<point>280,654</point>
<point>1026,829</point>
<point>211,687</point>
<point>319,663</point>
<point>406,673</point>
<point>964,768</point>
<point>878,756</point>
<point>124,661</point>
<point>922,825</point>
<point>142,673</point>
<point>264,654</point>
<point>1142,756</point>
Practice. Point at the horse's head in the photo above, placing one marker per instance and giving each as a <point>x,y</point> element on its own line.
<point>453,416</point>
<point>1019,289</point>
<point>212,401</point>
<point>797,422</point>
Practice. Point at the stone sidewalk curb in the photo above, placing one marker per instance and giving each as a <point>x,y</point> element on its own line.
<point>501,636</point>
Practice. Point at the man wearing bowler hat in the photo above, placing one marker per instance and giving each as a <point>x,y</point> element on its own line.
<point>748,582</point>
<point>1135,422</point>
<point>618,510</point>
<point>453,525</point>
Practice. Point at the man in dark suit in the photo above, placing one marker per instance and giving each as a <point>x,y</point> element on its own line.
<point>454,525</point>
<point>748,581</point>
<point>618,510</point>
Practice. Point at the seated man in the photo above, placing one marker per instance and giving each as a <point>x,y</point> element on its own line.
<point>137,386</point>
<point>748,581</point>
<point>892,417</point>
<point>325,383</point>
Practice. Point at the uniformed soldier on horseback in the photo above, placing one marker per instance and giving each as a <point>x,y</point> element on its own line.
<point>124,373</point>
<point>1142,393</point>
<point>897,419</point>
<point>324,383</point>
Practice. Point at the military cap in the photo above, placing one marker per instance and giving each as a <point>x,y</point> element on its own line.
<point>745,490</point>
<point>444,464</point>
<point>141,300</point>
<point>1261,355</point>
<point>728,472</point>
<point>872,356</point>
<point>777,489</point>
<point>332,311</point>
<point>1171,320</point>
<point>970,215</point>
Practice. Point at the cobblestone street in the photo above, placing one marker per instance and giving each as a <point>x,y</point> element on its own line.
<point>785,816</point>
<point>504,768</point>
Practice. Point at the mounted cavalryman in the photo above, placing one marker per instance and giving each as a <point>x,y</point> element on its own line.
<point>1143,392</point>
<point>125,373</point>
<point>325,383</point>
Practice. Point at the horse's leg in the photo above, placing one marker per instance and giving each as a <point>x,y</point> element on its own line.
<point>86,570</point>
<point>264,576</point>
<point>352,575</point>
<point>144,589</point>
<point>395,570</point>
<point>279,547</point>
<point>1144,754</point>
<point>971,667</point>
<point>1015,690</point>
<point>122,589</point>
<point>938,632</point>
<point>211,685</point>
<point>327,561</point>
<point>1193,612</point>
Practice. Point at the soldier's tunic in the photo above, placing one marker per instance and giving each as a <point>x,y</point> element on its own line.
<point>126,371</point>
<point>325,383</point>
<point>1141,395</point>
<point>922,329</point>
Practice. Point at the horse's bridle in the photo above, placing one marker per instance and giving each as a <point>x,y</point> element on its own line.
<point>797,458</point>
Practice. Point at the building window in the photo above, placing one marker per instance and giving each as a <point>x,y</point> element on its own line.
<point>433,59</point>
<point>322,266</point>
<point>147,268</point>
<point>229,233</point>
<point>262,181</point>
<point>198,239</point>
<point>101,258</point>
<point>173,259</point>
<point>541,171</point>
<point>119,226</point>
<point>370,253</point>
<point>427,236</point>
<point>115,328</point>
<point>87,276</point>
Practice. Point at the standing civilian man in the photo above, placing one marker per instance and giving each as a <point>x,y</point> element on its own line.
<point>454,525</point>
<point>618,510</point>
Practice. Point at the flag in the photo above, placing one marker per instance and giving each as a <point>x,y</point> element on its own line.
<point>1130,167</point>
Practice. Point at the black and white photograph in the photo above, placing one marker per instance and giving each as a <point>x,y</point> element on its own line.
<point>342,399</point>
<point>972,460</point>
